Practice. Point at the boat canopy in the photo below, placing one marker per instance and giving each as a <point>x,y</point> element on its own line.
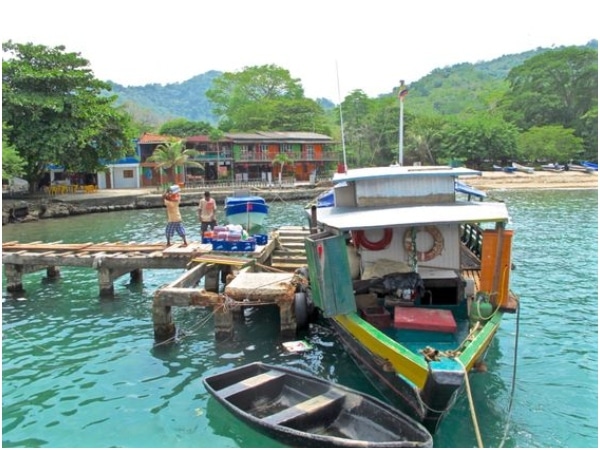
<point>346,218</point>
<point>403,171</point>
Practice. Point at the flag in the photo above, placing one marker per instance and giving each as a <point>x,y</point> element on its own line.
<point>402,92</point>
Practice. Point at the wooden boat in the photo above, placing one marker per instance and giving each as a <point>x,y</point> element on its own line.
<point>553,167</point>
<point>246,210</point>
<point>507,169</point>
<point>578,168</point>
<point>521,168</point>
<point>414,280</point>
<point>302,410</point>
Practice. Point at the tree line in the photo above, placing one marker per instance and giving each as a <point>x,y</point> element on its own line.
<point>545,110</point>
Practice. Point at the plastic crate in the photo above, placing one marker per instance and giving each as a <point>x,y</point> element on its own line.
<point>233,246</point>
<point>261,239</point>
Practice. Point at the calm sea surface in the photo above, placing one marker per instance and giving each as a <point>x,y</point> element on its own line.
<point>80,372</point>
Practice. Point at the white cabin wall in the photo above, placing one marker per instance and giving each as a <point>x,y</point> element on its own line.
<point>408,191</point>
<point>448,259</point>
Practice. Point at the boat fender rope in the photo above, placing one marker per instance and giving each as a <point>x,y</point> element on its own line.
<point>435,250</point>
<point>359,238</point>
<point>471,403</point>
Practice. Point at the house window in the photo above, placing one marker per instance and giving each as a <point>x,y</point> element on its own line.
<point>286,148</point>
<point>128,173</point>
<point>310,151</point>
<point>264,151</point>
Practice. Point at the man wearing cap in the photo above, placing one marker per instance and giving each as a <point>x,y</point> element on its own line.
<point>171,199</point>
<point>207,213</point>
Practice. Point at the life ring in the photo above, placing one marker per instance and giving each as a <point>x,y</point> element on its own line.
<point>361,241</point>
<point>436,248</point>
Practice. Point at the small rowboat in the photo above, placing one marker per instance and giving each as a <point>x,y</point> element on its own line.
<point>522,168</point>
<point>302,410</point>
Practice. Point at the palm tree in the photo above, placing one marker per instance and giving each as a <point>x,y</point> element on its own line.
<point>282,159</point>
<point>171,155</point>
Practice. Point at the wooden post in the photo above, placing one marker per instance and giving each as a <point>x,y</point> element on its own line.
<point>14,277</point>
<point>105,279</point>
<point>313,219</point>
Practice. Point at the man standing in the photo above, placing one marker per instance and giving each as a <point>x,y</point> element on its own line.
<point>171,199</point>
<point>207,213</point>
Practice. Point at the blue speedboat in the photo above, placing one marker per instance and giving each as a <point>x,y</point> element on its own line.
<point>248,211</point>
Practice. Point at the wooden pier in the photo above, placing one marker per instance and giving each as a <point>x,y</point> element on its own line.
<point>251,279</point>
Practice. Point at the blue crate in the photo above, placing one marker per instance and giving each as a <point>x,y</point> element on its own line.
<point>206,240</point>
<point>261,239</point>
<point>233,246</point>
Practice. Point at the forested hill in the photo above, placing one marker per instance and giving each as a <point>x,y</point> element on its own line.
<point>447,90</point>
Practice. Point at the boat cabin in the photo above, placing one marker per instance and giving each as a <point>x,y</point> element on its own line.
<point>405,226</point>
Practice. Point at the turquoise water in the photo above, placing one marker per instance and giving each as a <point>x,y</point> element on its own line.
<point>81,372</point>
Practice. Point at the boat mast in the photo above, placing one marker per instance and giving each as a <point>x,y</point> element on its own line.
<point>402,91</point>
<point>341,118</point>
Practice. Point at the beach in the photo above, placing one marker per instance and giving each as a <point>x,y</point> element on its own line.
<point>537,180</point>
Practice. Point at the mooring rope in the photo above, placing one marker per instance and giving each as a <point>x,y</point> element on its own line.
<point>514,379</point>
<point>471,404</point>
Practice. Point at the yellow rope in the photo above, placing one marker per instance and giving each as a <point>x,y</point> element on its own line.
<point>471,404</point>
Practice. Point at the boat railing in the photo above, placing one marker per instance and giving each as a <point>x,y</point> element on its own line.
<point>472,237</point>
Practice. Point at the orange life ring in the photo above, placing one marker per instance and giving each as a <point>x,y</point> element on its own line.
<point>361,241</point>
<point>436,248</point>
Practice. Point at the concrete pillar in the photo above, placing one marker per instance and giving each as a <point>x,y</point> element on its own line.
<point>136,276</point>
<point>223,318</point>
<point>287,317</point>
<point>211,279</point>
<point>14,278</point>
<point>162,320</point>
<point>105,280</point>
<point>53,272</point>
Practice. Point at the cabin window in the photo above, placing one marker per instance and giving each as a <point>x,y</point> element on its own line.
<point>128,173</point>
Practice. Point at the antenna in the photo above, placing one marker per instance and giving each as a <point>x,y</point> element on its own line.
<point>341,118</point>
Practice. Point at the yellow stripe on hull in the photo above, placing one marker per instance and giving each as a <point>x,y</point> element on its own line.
<point>410,366</point>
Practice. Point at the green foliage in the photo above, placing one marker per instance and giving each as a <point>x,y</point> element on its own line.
<point>58,113</point>
<point>173,154</point>
<point>478,139</point>
<point>12,163</point>
<point>557,87</point>
<point>184,128</point>
<point>264,98</point>
<point>282,159</point>
<point>551,143</point>
<point>424,139</point>
<point>155,103</point>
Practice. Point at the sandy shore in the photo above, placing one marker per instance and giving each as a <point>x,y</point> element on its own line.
<point>537,180</point>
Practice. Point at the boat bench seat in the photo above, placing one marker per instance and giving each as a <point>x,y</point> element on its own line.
<point>306,407</point>
<point>252,382</point>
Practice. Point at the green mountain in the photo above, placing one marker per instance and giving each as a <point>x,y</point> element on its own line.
<point>450,90</point>
<point>159,103</point>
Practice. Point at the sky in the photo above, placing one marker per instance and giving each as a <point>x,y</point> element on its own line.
<point>332,46</point>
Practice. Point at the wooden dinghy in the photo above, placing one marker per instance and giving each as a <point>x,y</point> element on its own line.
<point>305,411</point>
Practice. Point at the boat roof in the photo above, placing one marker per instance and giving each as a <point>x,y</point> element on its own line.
<point>347,218</point>
<point>403,171</point>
